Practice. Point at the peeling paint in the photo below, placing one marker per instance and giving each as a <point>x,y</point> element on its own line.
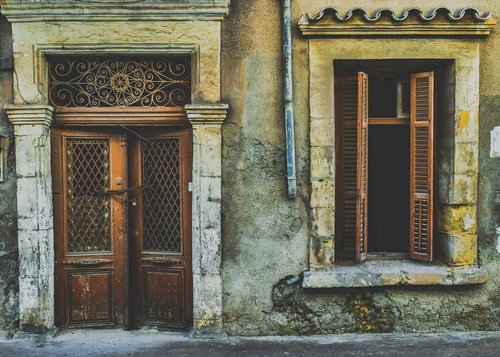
<point>495,142</point>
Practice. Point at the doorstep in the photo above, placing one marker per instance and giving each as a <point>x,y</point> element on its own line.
<point>392,272</point>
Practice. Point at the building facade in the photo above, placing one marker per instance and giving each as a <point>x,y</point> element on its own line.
<point>250,167</point>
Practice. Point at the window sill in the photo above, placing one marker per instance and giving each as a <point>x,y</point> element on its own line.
<point>392,272</point>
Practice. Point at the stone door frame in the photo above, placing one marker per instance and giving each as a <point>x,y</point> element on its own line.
<point>32,118</point>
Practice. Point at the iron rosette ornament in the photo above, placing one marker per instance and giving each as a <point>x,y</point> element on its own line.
<point>91,82</point>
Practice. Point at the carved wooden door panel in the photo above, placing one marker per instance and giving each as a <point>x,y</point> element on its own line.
<point>89,172</point>
<point>161,165</point>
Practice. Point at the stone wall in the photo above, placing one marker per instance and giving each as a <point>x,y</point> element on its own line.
<point>265,235</point>
<point>8,228</point>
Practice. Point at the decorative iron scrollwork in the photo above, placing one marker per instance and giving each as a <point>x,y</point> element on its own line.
<point>88,82</point>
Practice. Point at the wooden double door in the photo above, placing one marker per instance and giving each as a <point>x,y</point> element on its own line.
<point>122,211</point>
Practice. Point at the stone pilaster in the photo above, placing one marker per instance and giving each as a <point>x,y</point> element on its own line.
<point>34,211</point>
<point>207,120</point>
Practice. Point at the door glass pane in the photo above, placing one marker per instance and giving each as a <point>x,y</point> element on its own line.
<point>162,204</point>
<point>88,205</point>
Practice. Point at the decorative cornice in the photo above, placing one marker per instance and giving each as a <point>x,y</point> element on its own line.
<point>206,114</point>
<point>411,22</point>
<point>30,114</point>
<point>113,10</point>
<point>456,16</point>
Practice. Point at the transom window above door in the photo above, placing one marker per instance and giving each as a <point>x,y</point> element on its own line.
<point>119,81</point>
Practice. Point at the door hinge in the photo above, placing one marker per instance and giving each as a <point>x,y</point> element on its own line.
<point>190,187</point>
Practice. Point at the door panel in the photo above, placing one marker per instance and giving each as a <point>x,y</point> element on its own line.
<point>161,228</point>
<point>90,304</point>
<point>164,295</point>
<point>93,208</point>
<point>89,227</point>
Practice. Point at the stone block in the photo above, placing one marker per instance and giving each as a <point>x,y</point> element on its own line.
<point>322,193</point>
<point>322,253</point>
<point>419,278</point>
<point>28,295</point>
<point>323,223</point>
<point>464,189</point>
<point>26,159</point>
<point>466,158</point>
<point>27,223</point>
<point>444,188</point>
<point>210,216</point>
<point>469,276</point>
<point>322,132</point>
<point>321,80</point>
<point>210,189</point>
<point>457,219</point>
<point>322,162</point>
<point>207,307</point>
<point>29,254</point>
<point>210,252</point>
<point>46,257</point>
<point>27,198</point>
<point>31,131</point>
<point>45,209</point>
<point>210,151</point>
<point>466,125</point>
<point>458,249</point>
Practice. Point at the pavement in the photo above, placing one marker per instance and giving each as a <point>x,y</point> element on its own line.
<point>148,342</point>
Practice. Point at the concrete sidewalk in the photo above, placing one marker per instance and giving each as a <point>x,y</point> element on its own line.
<point>154,343</point>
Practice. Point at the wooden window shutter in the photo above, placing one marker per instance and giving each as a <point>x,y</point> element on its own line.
<point>352,139</point>
<point>362,169</point>
<point>421,165</point>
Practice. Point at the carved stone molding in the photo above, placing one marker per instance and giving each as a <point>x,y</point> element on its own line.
<point>95,10</point>
<point>411,22</point>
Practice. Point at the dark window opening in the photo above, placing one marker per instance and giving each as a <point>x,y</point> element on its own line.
<point>383,94</point>
<point>389,188</point>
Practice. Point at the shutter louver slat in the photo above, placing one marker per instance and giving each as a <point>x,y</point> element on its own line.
<point>421,174</point>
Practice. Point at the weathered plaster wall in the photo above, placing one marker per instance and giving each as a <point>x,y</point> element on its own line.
<point>8,232</point>
<point>265,235</point>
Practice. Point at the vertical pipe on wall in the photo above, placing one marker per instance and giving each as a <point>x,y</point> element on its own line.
<point>288,99</point>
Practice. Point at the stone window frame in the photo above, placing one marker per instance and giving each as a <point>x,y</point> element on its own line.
<point>457,216</point>
<point>32,119</point>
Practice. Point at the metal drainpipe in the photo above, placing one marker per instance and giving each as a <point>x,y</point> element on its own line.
<point>288,98</point>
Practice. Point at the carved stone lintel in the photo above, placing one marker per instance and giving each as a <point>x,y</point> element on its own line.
<point>95,10</point>
<point>385,22</point>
